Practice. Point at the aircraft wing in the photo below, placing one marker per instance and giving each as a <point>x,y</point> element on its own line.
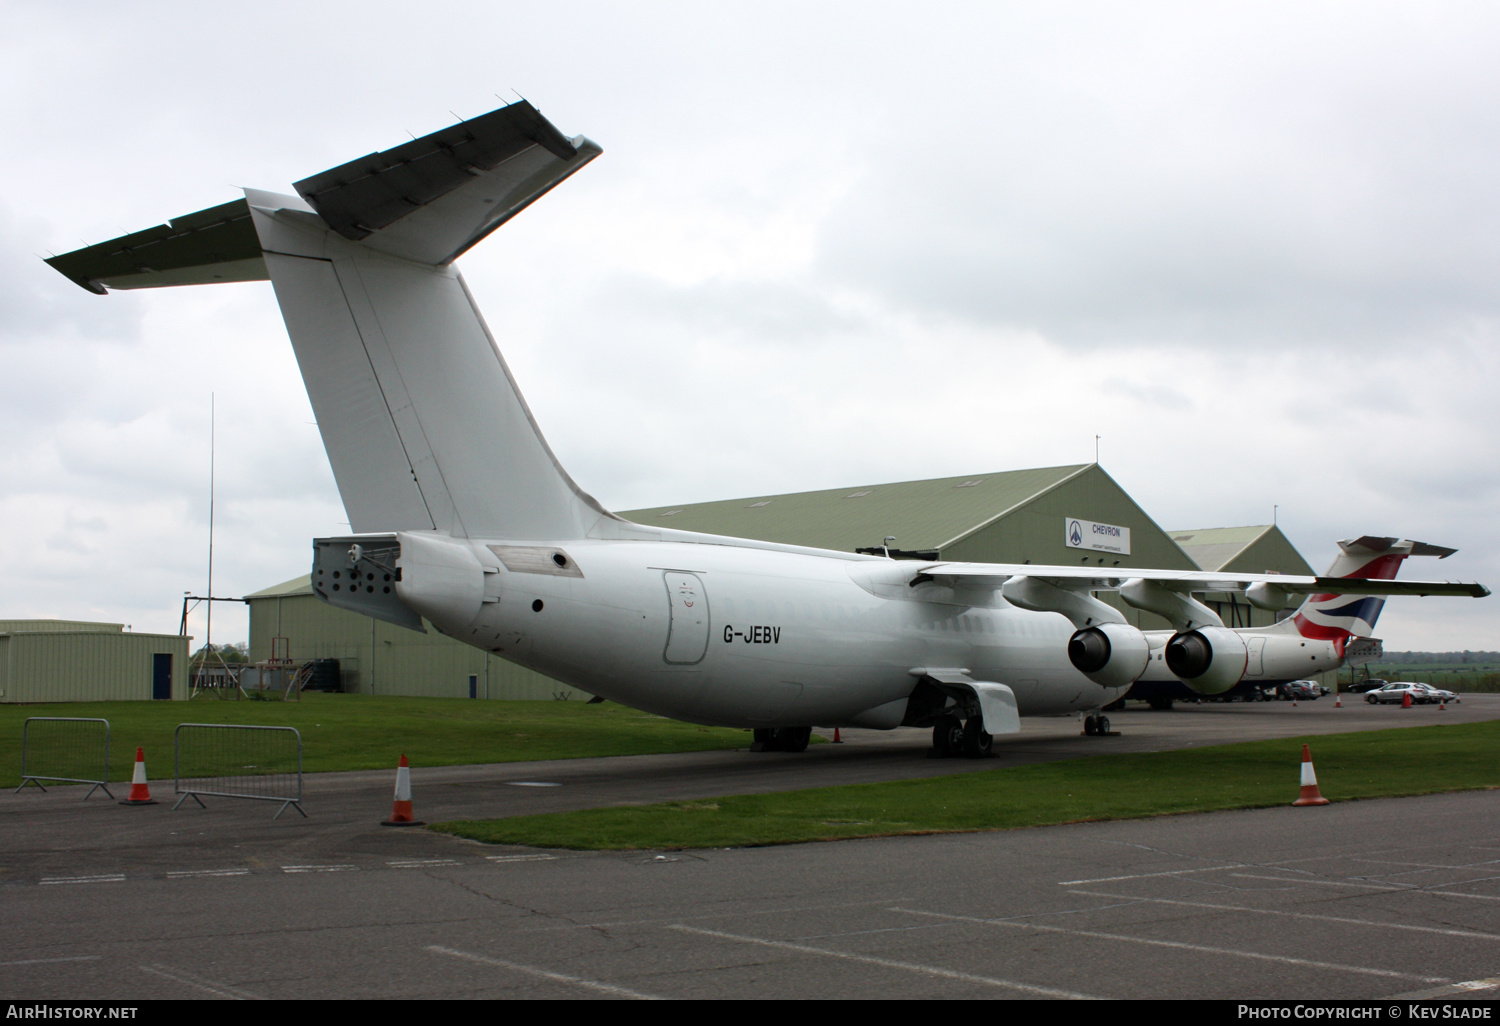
<point>1085,578</point>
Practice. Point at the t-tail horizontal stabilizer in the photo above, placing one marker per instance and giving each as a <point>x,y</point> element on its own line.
<point>424,426</point>
<point>427,200</point>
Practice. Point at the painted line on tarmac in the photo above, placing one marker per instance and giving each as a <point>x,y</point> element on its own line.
<point>1421,866</point>
<point>1145,876</point>
<point>1387,888</point>
<point>546,974</point>
<point>421,863</point>
<point>1305,962</point>
<point>1475,934</point>
<point>50,961</point>
<point>890,963</point>
<point>1466,987</point>
<point>183,874</point>
<point>100,878</point>
<point>319,869</point>
<point>214,987</point>
<point>1466,883</point>
<point>1436,889</point>
<point>521,858</point>
<point>1393,888</point>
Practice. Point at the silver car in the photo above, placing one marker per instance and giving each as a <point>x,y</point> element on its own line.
<point>1396,691</point>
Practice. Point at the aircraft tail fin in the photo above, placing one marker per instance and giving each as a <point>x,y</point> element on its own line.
<point>1337,618</point>
<point>422,420</point>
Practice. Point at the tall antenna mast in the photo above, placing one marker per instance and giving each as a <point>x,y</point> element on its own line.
<point>209,631</point>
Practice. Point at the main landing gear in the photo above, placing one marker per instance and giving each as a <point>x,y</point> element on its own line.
<point>952,737</point>
<point>781,739</point>
<point>1096,726</point>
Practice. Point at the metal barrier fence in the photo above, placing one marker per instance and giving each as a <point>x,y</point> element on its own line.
<point>231,761</point>
<point>65,749</point>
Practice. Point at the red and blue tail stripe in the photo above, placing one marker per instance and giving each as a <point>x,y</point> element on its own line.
<point>1337,618</point>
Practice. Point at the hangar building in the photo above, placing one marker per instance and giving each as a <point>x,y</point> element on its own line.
<point>1244,550</point>
<point>78,661</point>
<point>1054,515</point>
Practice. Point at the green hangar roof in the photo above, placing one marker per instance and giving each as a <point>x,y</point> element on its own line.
<point>296,586</point>
<point>1009,516</point>
<point>1251,550</point>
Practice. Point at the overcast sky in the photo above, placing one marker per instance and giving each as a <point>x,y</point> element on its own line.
<point>1255,247</point>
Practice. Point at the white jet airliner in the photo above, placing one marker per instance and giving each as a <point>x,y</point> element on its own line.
<point>462,515</point>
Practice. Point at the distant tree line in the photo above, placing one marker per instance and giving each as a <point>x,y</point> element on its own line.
<point>1441,658</point>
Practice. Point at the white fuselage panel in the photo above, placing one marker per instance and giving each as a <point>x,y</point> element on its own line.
<point>744,637</point>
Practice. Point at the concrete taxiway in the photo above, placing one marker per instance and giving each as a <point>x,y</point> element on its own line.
<point>1371,899</point>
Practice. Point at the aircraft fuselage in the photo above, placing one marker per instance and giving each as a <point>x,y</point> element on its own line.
<point>737,637</point>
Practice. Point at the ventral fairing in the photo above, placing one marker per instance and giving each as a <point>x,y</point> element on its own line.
<point>463,517</point>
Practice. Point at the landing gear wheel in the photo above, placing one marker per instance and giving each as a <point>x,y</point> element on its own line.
<point>977,744</point>
<point>765,740</point>
<point>1101,726</point>
<point>948,737</point>
<point>1091,725</point>
<point>793,739</point>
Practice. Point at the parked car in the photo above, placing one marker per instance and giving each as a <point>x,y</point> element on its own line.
<point>1372,684</point>
<point>1298,691</point>
<point>1436,694</point>
<point>1397,691</point>
<point>1317,688</point>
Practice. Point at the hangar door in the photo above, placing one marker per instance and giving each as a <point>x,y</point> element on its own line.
<point>687,633</point>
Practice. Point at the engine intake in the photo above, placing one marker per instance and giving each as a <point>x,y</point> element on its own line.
<point>1210,660</point>
<point>1111,655</point>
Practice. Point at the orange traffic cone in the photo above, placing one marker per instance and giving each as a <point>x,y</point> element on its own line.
<point>1443,704</point>
<point>836,739</point>
<point>1338,699</point>
<point>1310,795</point>
<point>140,794</point>
<point>401,808</point>
<point>1406,700</point>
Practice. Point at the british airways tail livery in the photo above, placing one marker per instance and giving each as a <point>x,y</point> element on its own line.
<point>463,517</point>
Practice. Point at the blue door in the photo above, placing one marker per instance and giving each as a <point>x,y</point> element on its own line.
<point>161,675</point>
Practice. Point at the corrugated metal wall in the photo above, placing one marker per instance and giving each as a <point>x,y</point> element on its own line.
<point>379,658</point>
<point>87,666</point>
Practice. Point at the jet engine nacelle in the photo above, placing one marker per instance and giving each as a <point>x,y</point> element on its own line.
<point>1111,655</point>
<point>1210,660</point>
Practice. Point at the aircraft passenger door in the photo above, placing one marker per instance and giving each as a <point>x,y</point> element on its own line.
<point>687,634</point>
<point>1255,667</point>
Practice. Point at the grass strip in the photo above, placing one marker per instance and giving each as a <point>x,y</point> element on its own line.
<point>1385,763</point>
<point>350,732</point>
